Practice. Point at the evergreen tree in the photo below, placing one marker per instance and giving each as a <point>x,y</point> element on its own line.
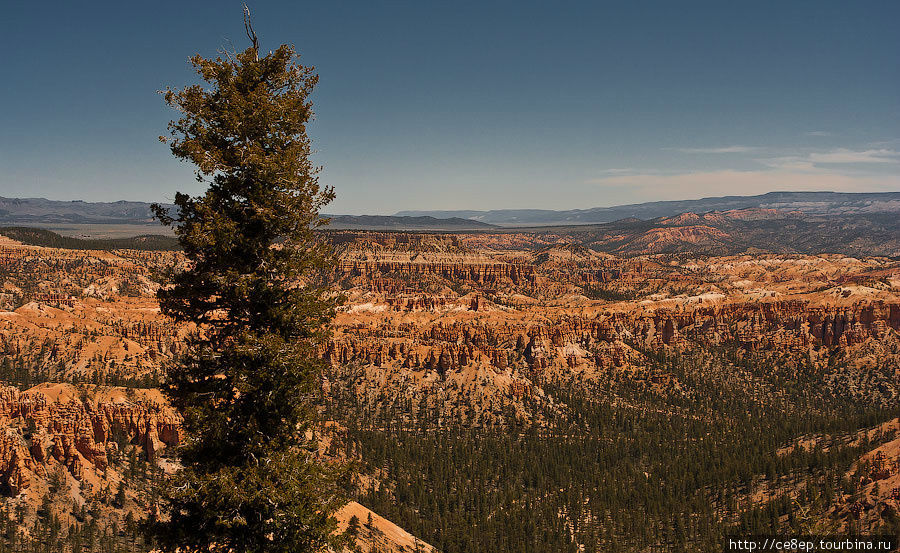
<point>257,291</point>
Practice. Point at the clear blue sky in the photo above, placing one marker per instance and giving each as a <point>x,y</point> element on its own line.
<point>455,105</point>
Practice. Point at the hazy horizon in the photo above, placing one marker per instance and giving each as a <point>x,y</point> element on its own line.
<point>433,211</point>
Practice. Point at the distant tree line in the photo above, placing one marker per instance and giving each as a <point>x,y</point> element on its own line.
<point>43,237</point>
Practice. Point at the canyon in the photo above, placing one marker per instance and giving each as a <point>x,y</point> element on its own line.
<point>469,330</point>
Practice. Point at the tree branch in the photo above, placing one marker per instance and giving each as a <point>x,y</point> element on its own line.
<point>251,34</point>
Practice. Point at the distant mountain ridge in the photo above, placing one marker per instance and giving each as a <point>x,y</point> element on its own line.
<point>44,211</point>
<point>408,222</point>
<point>809,203</point>
<point>733,232</point>
<point>41,211</point>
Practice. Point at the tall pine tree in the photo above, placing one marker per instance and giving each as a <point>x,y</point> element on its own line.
<point>257,291</point>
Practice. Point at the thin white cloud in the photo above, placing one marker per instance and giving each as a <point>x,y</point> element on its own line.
<point>719,150</point>
<point>720,183</point>
<point>818,133</point>
<point>890,143</point>
<point>789,163</point>
<point>803,160</point>
<point>819,161</point>
<point>628,171</point>
<point>843,155</point>
<point>781,169</point>
<point>619,171</point>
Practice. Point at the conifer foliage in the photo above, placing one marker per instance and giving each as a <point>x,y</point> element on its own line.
<point>257,292</point>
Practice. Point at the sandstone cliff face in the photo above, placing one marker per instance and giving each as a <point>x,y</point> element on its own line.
<point>50,423</point>
<point>492,315</point>
<point>456,267</point>
<point>786,325</point>
<point>501,355</point>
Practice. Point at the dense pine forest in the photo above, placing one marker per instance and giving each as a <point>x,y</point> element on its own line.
<point>621,467</point>
<point>43,237</point>
<point>618,466</point>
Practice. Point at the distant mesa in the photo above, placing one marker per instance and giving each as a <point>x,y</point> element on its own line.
<point>394,222</point>
<point>809,203</point>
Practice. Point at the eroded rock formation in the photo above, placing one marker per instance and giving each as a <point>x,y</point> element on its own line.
<point>57,423</point>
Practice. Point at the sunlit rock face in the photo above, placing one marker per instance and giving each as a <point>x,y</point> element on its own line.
<point>53,426</point>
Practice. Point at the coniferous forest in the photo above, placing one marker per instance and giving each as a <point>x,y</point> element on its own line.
<point>619,467</point>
